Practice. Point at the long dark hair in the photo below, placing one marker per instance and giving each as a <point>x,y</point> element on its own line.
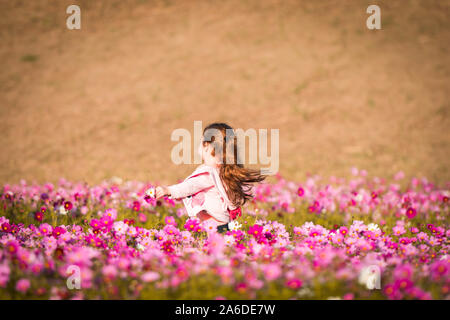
<point>237,180</point>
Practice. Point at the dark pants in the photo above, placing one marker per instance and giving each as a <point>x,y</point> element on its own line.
<point>223,228</point>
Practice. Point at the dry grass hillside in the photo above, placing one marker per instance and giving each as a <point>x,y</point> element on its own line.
<point>102,101</point>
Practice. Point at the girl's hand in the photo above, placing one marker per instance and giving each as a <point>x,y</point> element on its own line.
<point>161,192</point>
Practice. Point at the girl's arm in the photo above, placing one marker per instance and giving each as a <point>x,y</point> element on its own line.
<point>187,187</point>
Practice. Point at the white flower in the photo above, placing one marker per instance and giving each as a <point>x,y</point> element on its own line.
<point>359,197</point>
<point>140,247</point>
<point>373,227</point>
<point>150,192</point>
<point>334,298</point>
<point>234,225</point>
<point>229,240</point>
<point>62,210</point>
<point>120,227</point>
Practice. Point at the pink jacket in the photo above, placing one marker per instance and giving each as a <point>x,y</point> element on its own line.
<point>203,190</point>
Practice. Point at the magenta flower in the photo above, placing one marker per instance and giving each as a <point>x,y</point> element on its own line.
<point>57,231</point>
<point>68,205</point>
<point>6,227</point>
<point>403,284</point>
<point>39,216</point>
<point>390,291</point>
<point>12,246</point>
<point>411,213</point>
<point>315,233</point>
<point>439,270</point>
<point>191,225</point>
<point>241,287</point>
<point>255,230</point>
<point>106,222</point>
<point>95,224</point>
<point>294,284</point>
<point>136,206</point>
<point>389,228</point>
<point>166,246</point>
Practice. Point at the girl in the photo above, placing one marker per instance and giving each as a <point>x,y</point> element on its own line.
<point>217,189</point>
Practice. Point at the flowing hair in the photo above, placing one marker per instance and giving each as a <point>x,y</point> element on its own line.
<point>237,180</point>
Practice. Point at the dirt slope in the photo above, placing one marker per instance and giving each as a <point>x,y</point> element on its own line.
<point>102,101</point>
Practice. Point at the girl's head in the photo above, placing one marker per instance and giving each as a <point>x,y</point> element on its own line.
<point>219,148</point>
<point>213,143</point>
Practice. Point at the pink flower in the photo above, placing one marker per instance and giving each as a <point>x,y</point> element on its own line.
<point>398,230</point>
<point>109,271</point>
<point>271,271</point>
<point>142,217</point>
<point>399,175</point>
<point>170,220</point>
<point>343,230</point>
<point>348,296</point>
<point>22,285</point>
<point>45,229</point>
<point>422,236</point>
<point>150,276</point>
<point>414,230</point>
<point>84,210</point>
<point>439,270</point>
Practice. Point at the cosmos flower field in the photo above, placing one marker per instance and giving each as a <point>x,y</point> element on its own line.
<point>313,239</point>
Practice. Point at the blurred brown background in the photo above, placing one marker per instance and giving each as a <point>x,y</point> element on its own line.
<point>102,101</point>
